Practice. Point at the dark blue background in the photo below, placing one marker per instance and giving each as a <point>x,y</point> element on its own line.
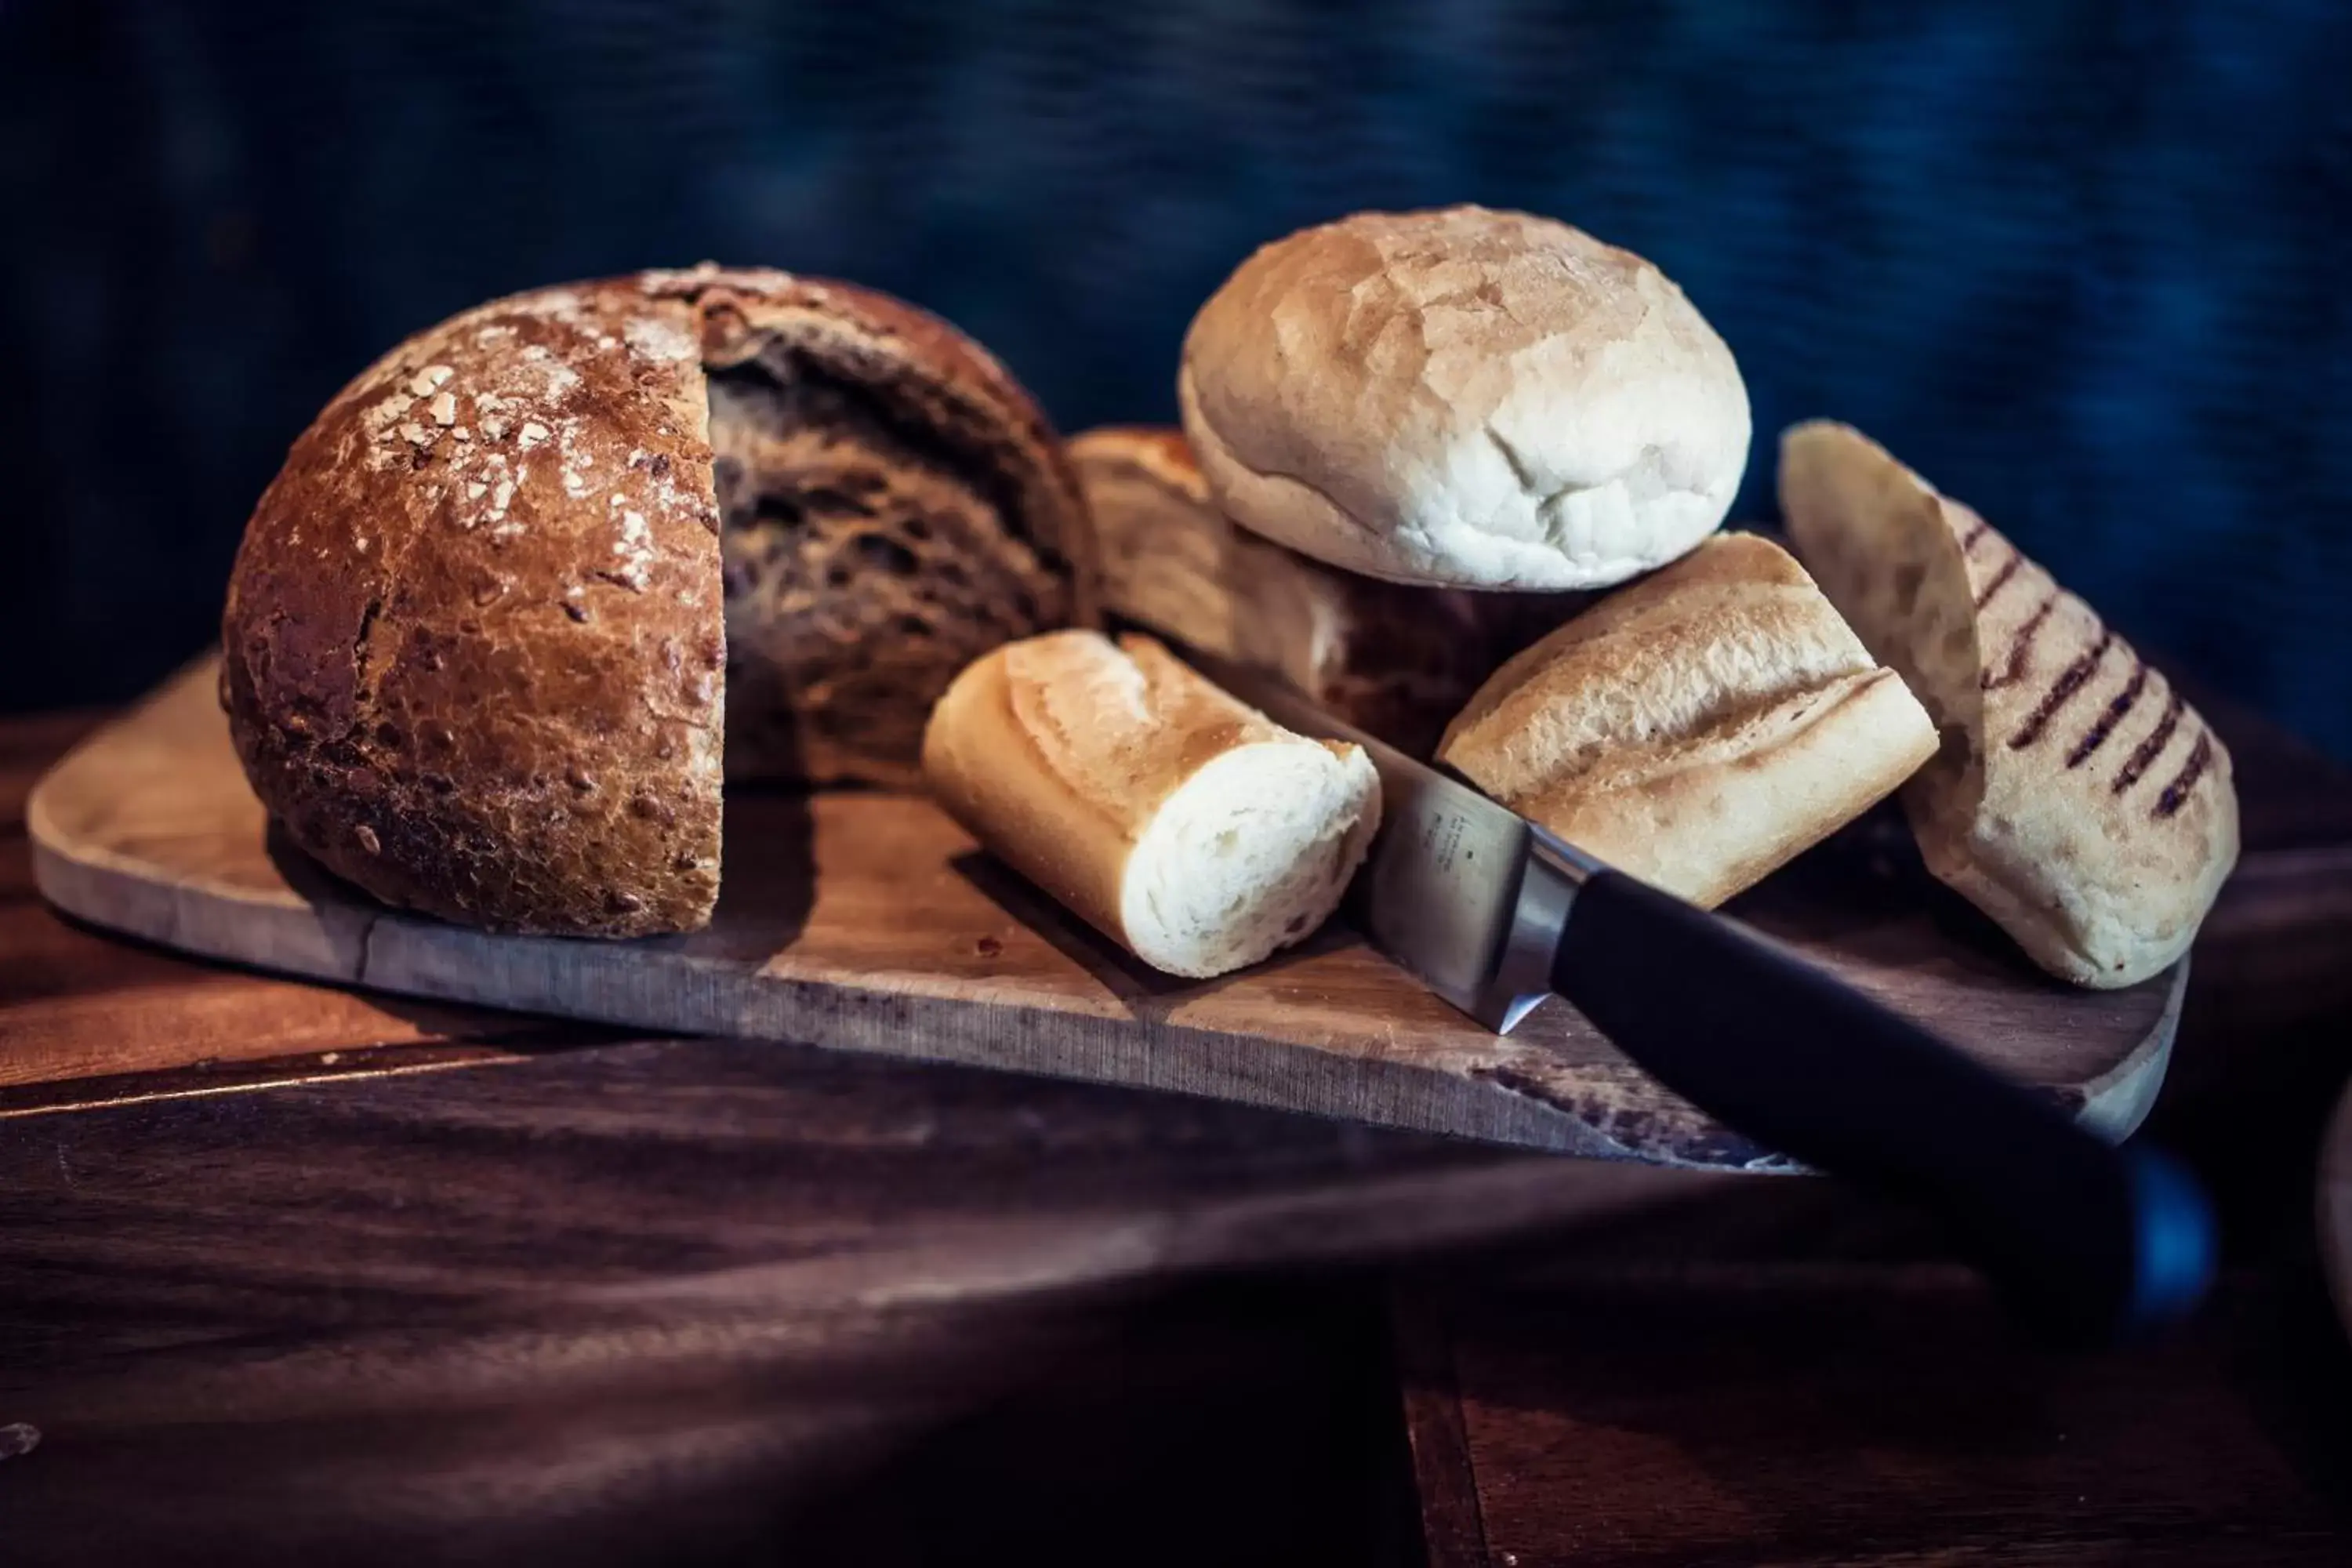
<point>2083,264</point>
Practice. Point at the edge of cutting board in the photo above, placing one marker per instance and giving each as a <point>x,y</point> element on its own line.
<point>148,829</point>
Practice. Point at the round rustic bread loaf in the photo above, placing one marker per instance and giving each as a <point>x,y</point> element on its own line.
<point>1485,399</point>
<point>502,623</point>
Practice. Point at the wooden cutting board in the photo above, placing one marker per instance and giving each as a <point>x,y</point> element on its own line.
<point>869,921</point>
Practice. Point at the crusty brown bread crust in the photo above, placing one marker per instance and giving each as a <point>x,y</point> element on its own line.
<point>474,652</point>
<point>1394,659</point>
<point>476,641</point>
<point>1699,728</point>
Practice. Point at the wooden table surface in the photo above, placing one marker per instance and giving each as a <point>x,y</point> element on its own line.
<point>1793,1374</point>
<point>272,1291</point>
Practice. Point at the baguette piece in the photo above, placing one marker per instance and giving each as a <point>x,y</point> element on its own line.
<point>1699,729</point>
<point>2076,799</point>
<point>1184,825</point>
<point>1395,660</point>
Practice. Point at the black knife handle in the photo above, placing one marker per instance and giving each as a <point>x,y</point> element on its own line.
<point>2093,1242</point>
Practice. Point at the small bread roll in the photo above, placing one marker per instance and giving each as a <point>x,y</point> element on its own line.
<point>1191,829</point>
<point>1699,729</point>
<point>1394,661</point>
<point>2077,800</point>
<point>1462,397</point>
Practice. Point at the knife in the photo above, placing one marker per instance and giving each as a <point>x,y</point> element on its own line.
<point>2090,1242</point>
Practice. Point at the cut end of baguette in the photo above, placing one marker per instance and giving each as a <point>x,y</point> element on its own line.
<point>1878,539</point>
<point>1179,822</point>
<point>1250,855</point>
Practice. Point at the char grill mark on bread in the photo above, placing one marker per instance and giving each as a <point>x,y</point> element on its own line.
<point>1466,398</point>
<point>2000,579</point>
<point>1186,826</point>
<point>2020,645</point>
<point>2176,793</point>
<point>2114,714</point>
<point>477,640</point>
<point>1395,660</point>
<point>2101,883</point>
<point>2070,680</point>
<point>1698,728</point>
<point>2151,748</point>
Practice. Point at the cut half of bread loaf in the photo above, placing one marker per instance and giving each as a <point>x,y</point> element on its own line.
<point>2076,799</point>
<point>1186,826</point>
<point>500,624</point>
<point>1699,728</point>
<point>1395,660</point>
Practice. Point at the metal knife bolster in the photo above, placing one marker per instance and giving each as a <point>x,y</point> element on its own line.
<point>1468,896</point>
<point>1551,870</point>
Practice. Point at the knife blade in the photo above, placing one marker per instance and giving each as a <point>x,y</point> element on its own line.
<point>1494,913</point>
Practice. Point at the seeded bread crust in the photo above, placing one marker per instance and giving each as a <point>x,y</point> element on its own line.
<point>475,643</point>
<point>473,646</point>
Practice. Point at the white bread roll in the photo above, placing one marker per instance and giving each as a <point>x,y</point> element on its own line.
<point>1699,729</point>
<point>2077,800</point>
<point>1184,825</point>
<point>1465,396</point>
<point>1394,661</point>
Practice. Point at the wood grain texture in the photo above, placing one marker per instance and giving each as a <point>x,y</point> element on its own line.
<point>473,1319</point>
<point>867,921</point>
<point>89,1018</point>
<point>585,1307</point>
<point>633,1303</point>
<point>1827,1410</point>
<point>1788,1373</point>
<point>2334,1208</point>
<point>1444,1481</point>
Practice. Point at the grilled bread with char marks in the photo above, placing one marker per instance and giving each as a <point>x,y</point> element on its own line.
<point>2076,798</point>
